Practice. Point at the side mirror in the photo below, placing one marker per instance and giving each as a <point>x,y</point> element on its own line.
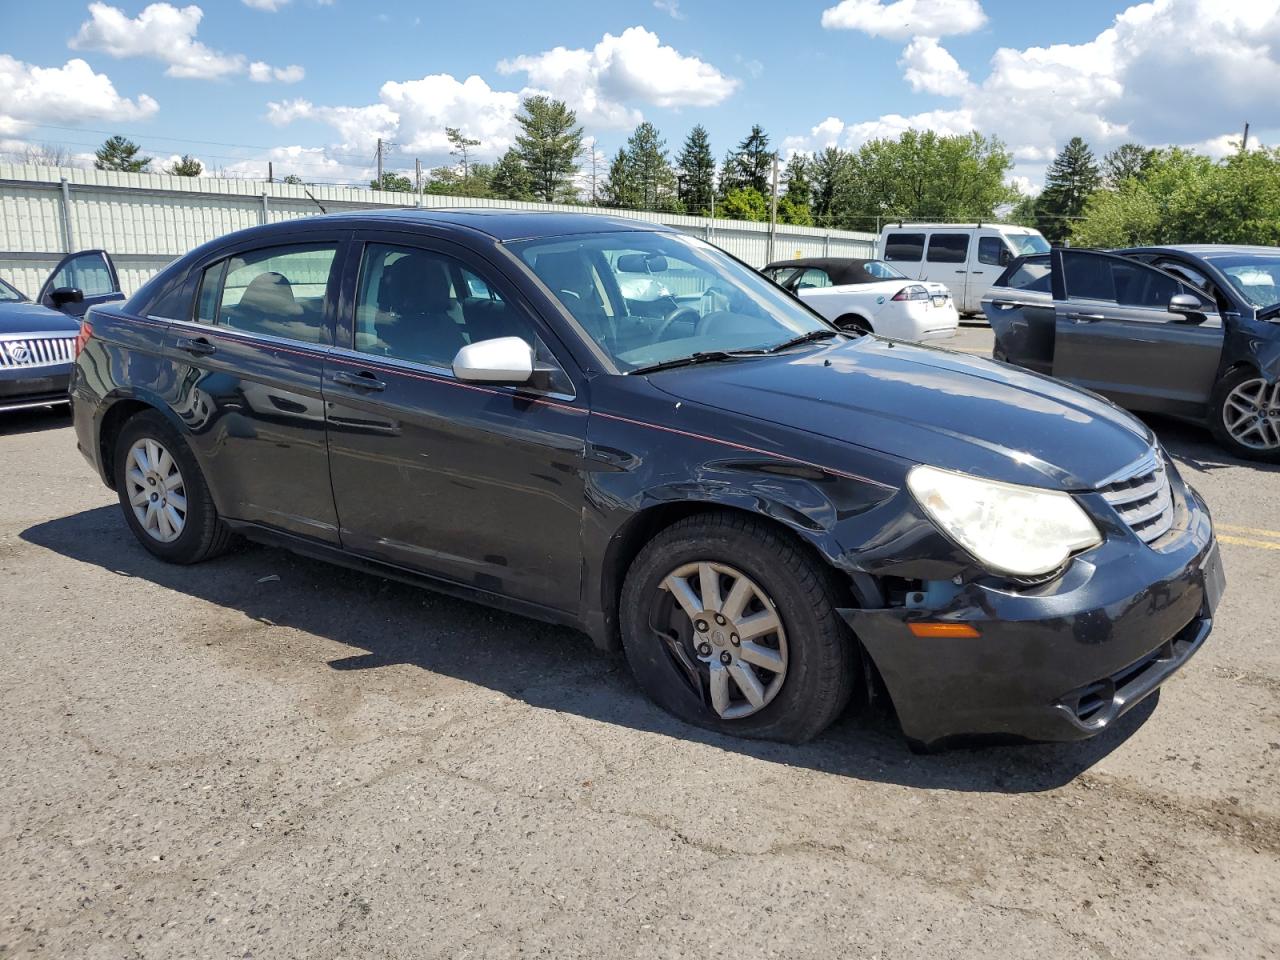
<point>500,360</point>
<point>61,296</point>
<point>1189,306</point>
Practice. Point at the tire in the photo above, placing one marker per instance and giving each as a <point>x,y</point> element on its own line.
<point>1224,407</point>
<point>662,643</point>
<point>855,323</point>
<point>201,534</point>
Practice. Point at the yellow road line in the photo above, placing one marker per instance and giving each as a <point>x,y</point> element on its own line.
<point>1252,531</point>
<point>1249,542</point>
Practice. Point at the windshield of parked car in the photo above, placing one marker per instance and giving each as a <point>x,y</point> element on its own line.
<point>882,271</point>
<point>1255,276</point>
<point>9,295</point>
<point>1026,244</point>
<point>651,298</point>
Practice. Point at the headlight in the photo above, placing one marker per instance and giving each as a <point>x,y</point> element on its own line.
<point>1023,531</point>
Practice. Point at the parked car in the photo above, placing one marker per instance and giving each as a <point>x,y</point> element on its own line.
<point>1188,331</point>
<point>36,337</point>
<point>869,296</point>
<point>967,257</point>
<point>765,512</point>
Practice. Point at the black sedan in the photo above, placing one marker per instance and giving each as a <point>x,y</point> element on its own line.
<point>1187,331</point>
<point>767,514</point>
<point>37,338</point>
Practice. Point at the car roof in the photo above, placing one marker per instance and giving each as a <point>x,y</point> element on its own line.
<point>1206,251</point>
<point>839,269</point>
<point>1014,227</point>
<point>502,224</point>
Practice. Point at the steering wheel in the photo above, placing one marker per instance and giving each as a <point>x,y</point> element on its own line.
<point>679,313</point>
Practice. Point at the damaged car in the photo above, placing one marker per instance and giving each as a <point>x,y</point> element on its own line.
<point>770,516</point>
<point>1191,332</point>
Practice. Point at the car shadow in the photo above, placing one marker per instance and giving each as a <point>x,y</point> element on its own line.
<point>385,622</point>
<point>15,422</point>
<point>1194,446</point>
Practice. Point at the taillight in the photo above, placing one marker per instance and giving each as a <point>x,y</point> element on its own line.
<point>913,292</point>
<point>86,331</point>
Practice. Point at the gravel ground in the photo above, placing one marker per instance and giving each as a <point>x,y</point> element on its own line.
<point>265,756</point>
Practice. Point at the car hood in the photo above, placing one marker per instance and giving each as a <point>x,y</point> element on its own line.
<point>927,405</point>
<point>28,317</point>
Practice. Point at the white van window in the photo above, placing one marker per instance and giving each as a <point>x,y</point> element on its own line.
<point>948,248</point>
<point>904,247</point>
<point>990,250</point>
<point>1027,244</point>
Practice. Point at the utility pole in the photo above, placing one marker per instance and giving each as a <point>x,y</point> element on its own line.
<point>271,178</point>
<point>379,162</point>
<point>773,207</point>
<point>417,179</point>
<point>1244,141</point>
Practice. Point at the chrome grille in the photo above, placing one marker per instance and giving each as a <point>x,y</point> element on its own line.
<point>1144,499</point>
<point>36,351</point>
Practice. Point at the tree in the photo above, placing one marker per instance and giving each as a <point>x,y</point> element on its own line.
<point>549,145</point>
<point>460,146</point>
<point>620,188</point>
<point>510,179</point>
<point>1126,161</point>
<point>117,153</point>
<point>639,176</point>
<point>1071,180</point>
<point>187,166</point>
<point>696,172</point>
<point>795,205</point>
<point>751,165</point>
<point>744,203</point>
<point>45,155</point>
<point>828,169</point>
<point>392,181</point>
<point>292,178</point>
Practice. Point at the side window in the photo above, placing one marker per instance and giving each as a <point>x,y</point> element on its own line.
<point>1087,276</point>
<point>423,306</point>
<point>905,247</point>
<point>88,273</point>
<point>210,290</point>
<point>992,250</point>
<point>278,291</point>
<point>1033,274</point>
<point>813,277</point>
<point>1125,282</point>
<point>948,248</point>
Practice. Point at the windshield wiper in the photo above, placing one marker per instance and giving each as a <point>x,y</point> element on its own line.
<point>805,338</point>
<point>702,356</point>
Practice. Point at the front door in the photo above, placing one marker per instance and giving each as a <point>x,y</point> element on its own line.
<point>1116,335</point>
<point>988,256</point>
<point>946,260</point>
<point>79,281</point>
<point>481,485</point>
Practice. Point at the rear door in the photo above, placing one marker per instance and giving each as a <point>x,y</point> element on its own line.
<point>947,261</point>
<point>1116,335</point>
<point>1020,309</point>
<point>79,281</point>
<point>904,248</point>
<point>988,256</point>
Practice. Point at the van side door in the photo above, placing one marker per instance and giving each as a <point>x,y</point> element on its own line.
<point>905,250</point>
<point>988,256</point>
<point>947,261</point>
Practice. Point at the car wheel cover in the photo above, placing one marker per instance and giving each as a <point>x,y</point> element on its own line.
<point>156,490</point>
<point>1251,414</point>
<point>724,635</point>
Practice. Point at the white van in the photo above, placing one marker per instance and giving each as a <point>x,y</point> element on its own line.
<point>967,257</point>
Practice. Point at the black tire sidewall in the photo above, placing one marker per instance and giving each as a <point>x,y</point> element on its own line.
<point>1218,427</point>
<point>193,543</point>
<point>816,643</point>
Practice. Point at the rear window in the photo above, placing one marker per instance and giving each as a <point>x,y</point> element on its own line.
<point>904,247</point>
<point>1033,274</point>
<point>948,248</point>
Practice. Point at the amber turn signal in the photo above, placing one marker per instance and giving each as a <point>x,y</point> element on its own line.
<point>947,630</point>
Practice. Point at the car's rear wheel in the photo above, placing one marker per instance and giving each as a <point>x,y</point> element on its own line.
<point>855,324</point>
<point>729,624</point>
<point>1245,417</point>
<point>163,494</point>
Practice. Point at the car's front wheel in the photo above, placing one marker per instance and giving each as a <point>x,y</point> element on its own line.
<point>729,624</point>
<point>1245,416</point>
<point>163,494</point>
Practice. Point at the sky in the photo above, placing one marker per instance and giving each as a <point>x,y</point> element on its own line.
<point>311,85</point>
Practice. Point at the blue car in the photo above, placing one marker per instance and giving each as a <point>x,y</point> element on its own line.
<point>37,337</point>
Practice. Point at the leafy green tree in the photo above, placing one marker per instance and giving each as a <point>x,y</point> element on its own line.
<point>1126,161</point>
<point>639,176</point>
<point>549,145</point>
<point>621,188</point>
<point>793,211</point>
<point>510,179</point>
<point>292,178</point>
<point>744,203</point>
<point>1070,182</point>
<point>187,166</point>
<point>750,165</point>
<point>828,169</point>
<point>392,181</point>
<point>117,153</point>
<point>794,206</point>
<point>696,171</point>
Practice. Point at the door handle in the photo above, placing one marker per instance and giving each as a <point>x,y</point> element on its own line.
<point>197,346</point>
<point>364,380</point>
<point>1086,317</point>
<point>962,271</point>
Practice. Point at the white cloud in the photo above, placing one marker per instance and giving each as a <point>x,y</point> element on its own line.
<point>905,18</point>
<point>66,94</point>
<point>931,69</point>
<point>634,68</point>
<point>271,6</point>
<point>166,33</point>
<point>671,7</point>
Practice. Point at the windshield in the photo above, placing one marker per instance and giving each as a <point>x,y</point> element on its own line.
<point>9,295</point>
<point>1256,277</point>
<point>882,270</point>
<point>1026,244</point>
<point>648,298</point>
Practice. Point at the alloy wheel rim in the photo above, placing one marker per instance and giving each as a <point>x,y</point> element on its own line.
<point>1251,414</point>
<point>156,490</point>
<point>724,634</point>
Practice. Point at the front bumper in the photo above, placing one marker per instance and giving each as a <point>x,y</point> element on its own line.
<point>25,387</point>
<point>1059,662</point>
